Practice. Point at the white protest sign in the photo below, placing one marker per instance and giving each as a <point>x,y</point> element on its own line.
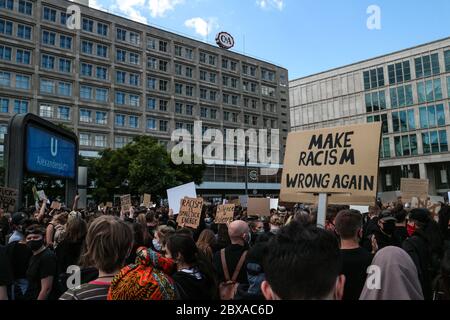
<point>274,204</point>
<point>361,209</point>
<point>175,195</point>
<point>243,200</point>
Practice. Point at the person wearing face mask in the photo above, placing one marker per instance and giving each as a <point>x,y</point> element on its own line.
<point>385,235</point>
<point>355,259</point>
<point>42,269</point>
<point>418,246</point>
<point>160,236</point>
<point>233,257</point>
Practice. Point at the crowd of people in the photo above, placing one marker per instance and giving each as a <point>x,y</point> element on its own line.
<point>390,252</point>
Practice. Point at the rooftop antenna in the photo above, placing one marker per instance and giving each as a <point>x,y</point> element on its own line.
<point>243,43</point>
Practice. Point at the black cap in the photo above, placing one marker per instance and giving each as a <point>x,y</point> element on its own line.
<point>19,218</point>
<point>420,214</point>
<point>386,216</point>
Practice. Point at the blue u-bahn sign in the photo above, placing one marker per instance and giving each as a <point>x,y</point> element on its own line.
<point>48,153</point>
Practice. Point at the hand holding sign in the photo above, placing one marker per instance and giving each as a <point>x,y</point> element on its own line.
<point>224,214</point>
<point>190,212</point>
<point>125,202</point>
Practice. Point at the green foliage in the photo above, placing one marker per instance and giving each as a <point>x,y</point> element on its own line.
<point>142,166</point>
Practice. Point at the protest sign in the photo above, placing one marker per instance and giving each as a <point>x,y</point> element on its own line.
<point>55,205</point>
<point>224,214</point>
<point>341,162</point>
<point>125,202</point>
<point>235,202</point>
<point>8,198</point>
<point>190,212</point>
<point>147,200</point>
<point>258,207</point>
<point>243,200</point>
<point>414,188</point>
<point>41,195</point>
<point>274,204</point>
<point>109,204</point>
<point>361,209</point>
<point>389,196</point>
<point>175,195</point>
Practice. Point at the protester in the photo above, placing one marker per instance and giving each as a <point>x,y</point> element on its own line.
<point>55,230</point>
<point>195,277</point>
<point>42,268</point>
<point>385,235</point>
<point>205,244</point>
<point>441,286</point>
<point>370,227</point>
<point>228,262</point>
<point>108,243</point>
<point>303,263</point>
<point>160,236</point>
<point>69,249</point>
<point>18,222</point>
<point>147,279</point>
<point>6,277</point>
<point>275,223</point>
<point>398,278</point>
<point>355,259</point>
<point>222,238</point>
<point>400,226</point>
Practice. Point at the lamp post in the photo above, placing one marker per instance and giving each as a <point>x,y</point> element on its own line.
<point>246,171</point>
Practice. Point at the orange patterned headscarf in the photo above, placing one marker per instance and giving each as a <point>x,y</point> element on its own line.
<point>147,279</point>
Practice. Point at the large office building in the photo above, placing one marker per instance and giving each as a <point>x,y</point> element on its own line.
<point>408,91</point>
<point>113,79</point>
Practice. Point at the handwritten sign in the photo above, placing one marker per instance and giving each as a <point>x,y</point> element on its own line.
<point>190,212</point>
<point>414,188</point>
<point>109,204</point>
<point>55,205</point>
<point>342,162</point>
<point>147,200</point>
<point>224,214</point>
<point>8,198</point>
<point>125,202</point>
<point>258,207</point>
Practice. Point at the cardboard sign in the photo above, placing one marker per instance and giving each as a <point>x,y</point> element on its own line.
<point>190,212</point>
<point>224,214</point>
<point>41,195</point>
<point>175,195</point>
<point>414,188</point>
<point>8,198</point>
<point>243,200</point>
<point>109,204</point>
<point>389,196</point>
<point>258,207</point>
<point>235,202</point>
<point>147,200</point>
<point>56,205</point>
<point>125,202</point>
<point>342,162</point>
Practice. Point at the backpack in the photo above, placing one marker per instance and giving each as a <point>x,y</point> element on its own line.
<point>228,288</point>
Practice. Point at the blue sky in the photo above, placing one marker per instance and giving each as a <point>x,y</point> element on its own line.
<point>304,36</point>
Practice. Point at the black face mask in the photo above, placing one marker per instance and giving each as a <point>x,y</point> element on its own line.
<point>35,245</point>
<point>389,227</point>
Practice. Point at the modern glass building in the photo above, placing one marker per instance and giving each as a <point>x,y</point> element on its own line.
<point>113,79</point>
<point>408,91</point>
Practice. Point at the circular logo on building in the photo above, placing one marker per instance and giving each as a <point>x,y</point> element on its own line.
<point>225,40</point>
<point>253,175</point>
<point>255,192</point>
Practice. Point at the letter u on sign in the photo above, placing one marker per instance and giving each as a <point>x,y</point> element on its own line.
<point>54,146</point>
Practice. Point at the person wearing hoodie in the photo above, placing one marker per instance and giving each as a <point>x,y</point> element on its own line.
<point>194,278</point>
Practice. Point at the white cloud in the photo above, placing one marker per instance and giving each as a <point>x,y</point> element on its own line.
<point>94,4</point>
<point>158,8</point>
<point>131,9</point>
<point>201,26</point>
<point>266,4</point>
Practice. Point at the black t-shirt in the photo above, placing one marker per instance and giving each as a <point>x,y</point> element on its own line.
<point>6,277</point>
<point>68,253</point>
<point>232,255</point>
<point>19,256</point>
<point>401,233</point>
<point>354,267</point>
<point>192,285</point>
<point>41,266</point>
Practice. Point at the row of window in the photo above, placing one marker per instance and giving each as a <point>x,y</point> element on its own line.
<point>22,56</point>
<point>94,48</point>
<point>20,30</point>
<point>51,38</point>
<point>15,80</point>
<point>15,105</point>
<point>24,7</point>
<point>425,66</point>
<point>403,121</point>
<point>402,96</point>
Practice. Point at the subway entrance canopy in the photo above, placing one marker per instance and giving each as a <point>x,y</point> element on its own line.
<point>37,147</point>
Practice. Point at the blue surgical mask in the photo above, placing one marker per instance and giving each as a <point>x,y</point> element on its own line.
<point>156,245</point>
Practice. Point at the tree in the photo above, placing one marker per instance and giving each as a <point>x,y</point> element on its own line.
<point>142,166</point>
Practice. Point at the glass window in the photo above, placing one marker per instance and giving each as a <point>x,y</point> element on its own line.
<point>411,120</point>
<point>46,111</point>
<point>5,79</point>
<point>395,122</point>
<point>429,90</point>
<point>163,125</point>
<point>421,92</point>
<point>134,100</point>
<point>64,65</point>
<point>22,82</point>
<point>443,140</point>
<point>86,69</point>
<point>375,104</point>
<point>20,106</point>
<point>85,115</point>
<point>102,51</point>
<point>4,105</point>
<point>401,96</point>
<point>100,141</point>
<point>120,120</point>
<point>423,115</point>
<point>178,107</point>
<point>102,29</point>
<point>403,121</point>
<point>85,139</point>
<point>431,117</point>
<point>86,93</point>
<point>5,53</point>
<point>440,115</point>
<point>64,89</point>
<point>394,100</point>
<point>435,64</point>
<point>133,122</point>
<point>409,95</point>
<point>88,25</point>
<point>63,113</point>
<point>6,27</point>
<point>398,147</point>
<point>23,56</point>
<point>47,86</point>
<point>413,144</point>
<point>101,73</point>
<point>49,14</point>
<point>120,77</point>
<point>101,95</point>
<point>437,89</point>
<point>434,139</point>
<point>65,42</point>
<point>100,117</point>
<point>405,145</point>
<point>151,103</point>
<point>121,55</point>
<point>151,124</point>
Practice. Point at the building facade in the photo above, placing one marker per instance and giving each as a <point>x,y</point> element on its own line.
<point>112,79</point>
<point>408,91</point>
